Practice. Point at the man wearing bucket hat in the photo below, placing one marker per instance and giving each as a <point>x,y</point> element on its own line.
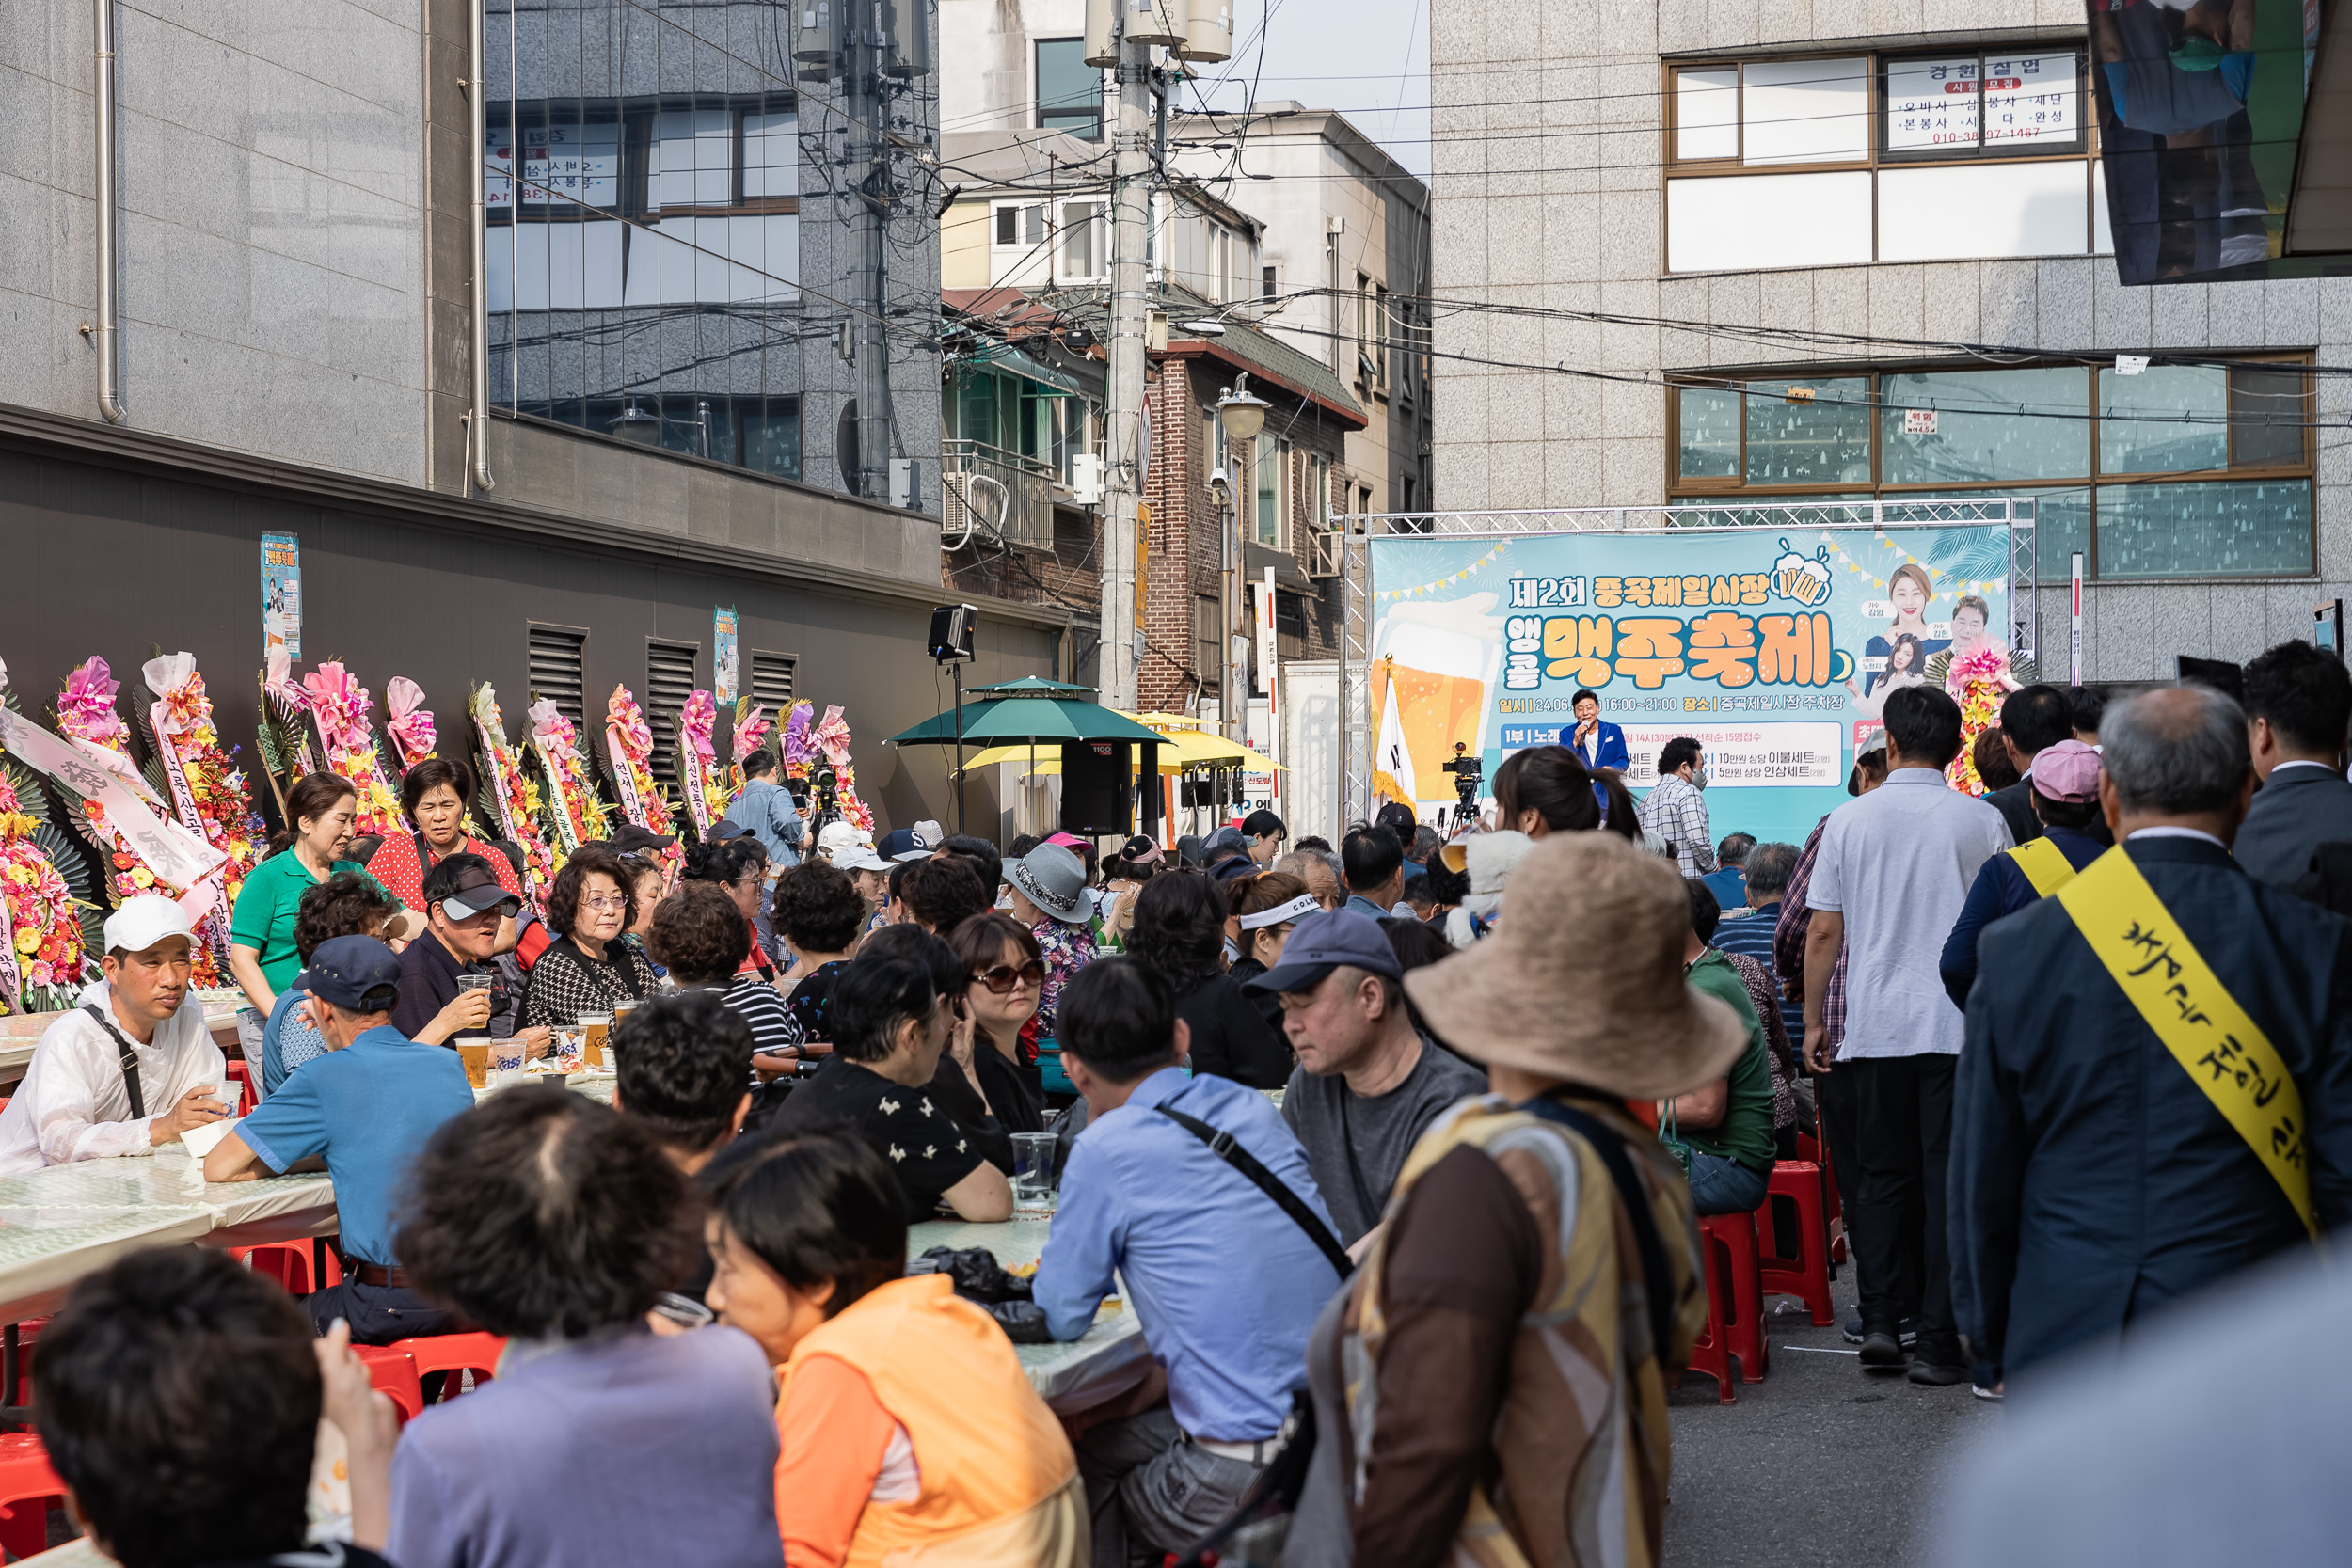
<point>2063,790</point>
<point>1049,896</point>
<point>132,1065</point>
<point>1539,1257</point>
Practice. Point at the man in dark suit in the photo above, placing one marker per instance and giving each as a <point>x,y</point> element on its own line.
<point>2092,1180</point>
<point>2298,700</point>
<point>1596,745</point>
<point>2033,717</point>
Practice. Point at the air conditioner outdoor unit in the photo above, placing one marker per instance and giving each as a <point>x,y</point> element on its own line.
<point>1086,479</point>
<point>971,505</point>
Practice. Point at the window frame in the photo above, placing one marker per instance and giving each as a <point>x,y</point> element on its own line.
<point>1037,92</point>
<point>2085,121</point>
<point>1874,375</point>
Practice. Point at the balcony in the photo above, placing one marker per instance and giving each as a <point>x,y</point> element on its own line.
<point>991,496</point>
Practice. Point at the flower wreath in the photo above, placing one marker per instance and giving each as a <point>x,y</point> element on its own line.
<point>832,737</point>
<point>751,730</point>
<point>86,712</point>
<point>43,954</point>
<point>698,760</point>
<point>339,707</point>
<point>513,798</point>
<point>214,800</point>
<point>578,814</point>
<point>629,747</point>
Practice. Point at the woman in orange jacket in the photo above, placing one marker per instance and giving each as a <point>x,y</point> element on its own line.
<point>910,1433</point>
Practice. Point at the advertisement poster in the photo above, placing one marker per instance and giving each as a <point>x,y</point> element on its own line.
<point>281,594</point>
<point>1774,649</point>
<point>722,660</point>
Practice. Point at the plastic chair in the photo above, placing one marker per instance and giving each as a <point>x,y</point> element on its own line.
<point>1794,1259</point>
<point>475,1353</point>
<point>1735,1303</point>
<point>1833,1214</point>
<point>26,1476</point>
<point>394,1373</point>
<point>249,1087</point>
<point>291,1263</point>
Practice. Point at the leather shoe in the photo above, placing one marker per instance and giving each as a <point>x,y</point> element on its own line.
<point>1882,1352</point>
<point>1938,1374</point>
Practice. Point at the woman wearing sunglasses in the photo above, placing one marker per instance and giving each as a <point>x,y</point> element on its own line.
<point>1005,974</point>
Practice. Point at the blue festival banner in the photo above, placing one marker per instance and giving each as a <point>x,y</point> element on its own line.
<point>1774,649</point>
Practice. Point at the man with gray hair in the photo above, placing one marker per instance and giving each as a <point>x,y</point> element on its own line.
<point>1768,867</point>
<point>1321,871</point>
<point>2156,1086</point>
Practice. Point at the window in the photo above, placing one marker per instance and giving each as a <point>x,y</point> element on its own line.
<point>1069,90</point>
<point>2180,470</point>
<point>558,670</point>
<point>1859,158</point>
<point>759,433</point>
<point>1269,286</point>
<point>1084,245</point>
<point>668,681</point>
<point>1020,223</point>
<point>1272,467</point>
<point>771,685</point>
<point>1381,329</point>
<point>1208,642</point>
<point>1319,493</point>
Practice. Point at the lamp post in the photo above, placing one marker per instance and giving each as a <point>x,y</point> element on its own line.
<point>1242,413</point>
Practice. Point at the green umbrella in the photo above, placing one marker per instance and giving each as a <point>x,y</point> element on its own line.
<point>1000,719</point>
<point>1030,686</point>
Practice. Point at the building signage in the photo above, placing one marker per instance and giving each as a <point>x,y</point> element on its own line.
<point>722,656</point>
<point>281,594</point>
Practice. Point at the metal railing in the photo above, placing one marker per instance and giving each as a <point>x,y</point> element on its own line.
<point>1349,533</point>
<point>990,494</point>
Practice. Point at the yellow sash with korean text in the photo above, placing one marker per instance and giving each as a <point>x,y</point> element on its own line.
<point>2193,1013</point>
<point>2044,863</point>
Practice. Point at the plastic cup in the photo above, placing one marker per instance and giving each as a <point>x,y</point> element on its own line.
<point>506,1060</point>
<point>474,982</point>
<point>593,1027</point>
<point>1033,1170</point>
<point>474,1050</point>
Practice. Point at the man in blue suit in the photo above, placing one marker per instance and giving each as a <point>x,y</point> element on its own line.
<point>1596,745</point>
<point>2093,1179</point>
<point>2299,702</point>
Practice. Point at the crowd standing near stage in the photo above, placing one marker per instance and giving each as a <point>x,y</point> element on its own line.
<point>1398,1150</point>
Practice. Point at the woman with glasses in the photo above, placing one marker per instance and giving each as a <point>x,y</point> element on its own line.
<point>739,867</point>
<point>588,968</point>
<point>1004,973</point>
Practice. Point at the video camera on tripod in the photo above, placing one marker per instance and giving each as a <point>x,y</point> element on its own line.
<point>816,797</point>
<point>1468,773</point>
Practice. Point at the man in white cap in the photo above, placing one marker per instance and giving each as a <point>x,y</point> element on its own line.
<point>132,1065</point>
<point>837,839</point>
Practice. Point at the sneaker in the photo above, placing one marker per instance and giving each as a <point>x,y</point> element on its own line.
<point>1852,1329</point>
<point>1938,1374</point>
<point>1993,1393</point>
<point>1881,1352</point>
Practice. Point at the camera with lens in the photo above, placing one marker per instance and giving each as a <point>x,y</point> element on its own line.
<point>1469,772</point>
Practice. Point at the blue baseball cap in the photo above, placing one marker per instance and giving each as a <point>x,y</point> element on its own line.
<point>1322,942</point>
<point>359,973</point>
<point>903,844</point>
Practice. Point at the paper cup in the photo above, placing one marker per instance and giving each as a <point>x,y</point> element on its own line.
<point>201,1141</point>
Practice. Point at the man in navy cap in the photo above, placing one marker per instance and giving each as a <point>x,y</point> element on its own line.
<point>367,1106</point>
<point>1367,1082</point>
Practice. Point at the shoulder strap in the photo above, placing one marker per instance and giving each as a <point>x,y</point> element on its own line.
<point>2044,863</point>
<point>1606,1142</point>
<point>1221,1144</point>
<point>2224,1052</point>
<point>129,1061</point>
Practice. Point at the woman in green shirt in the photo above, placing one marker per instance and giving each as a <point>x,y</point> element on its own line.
<point>1727,1125</point>
<point>262,957</point>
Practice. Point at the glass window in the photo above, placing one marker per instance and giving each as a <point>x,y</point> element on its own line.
<point>1708,441</point>
<point>1740,222</point>
<point>1082,240</point>
<point>692,161</point>
<point>2231,528</point>
<point>1955,427</point>
<point>1269,466</point>
<point>1965,105</point>
<point>2033,208</point>
<point>2168,419</point>
<point>2266,414</point>
<point>1931,105</point>
<point>1706,113</point>
<point>1319,492</point>
<point>2032,103</point>
<point>1804,111</point>
<point>771,437</point>
<point>771,155</point>
<point>1069,90</point>
<point>1826,441</point>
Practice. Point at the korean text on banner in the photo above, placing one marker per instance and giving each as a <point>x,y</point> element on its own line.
<point>281,594</point>
<point>723,667</point>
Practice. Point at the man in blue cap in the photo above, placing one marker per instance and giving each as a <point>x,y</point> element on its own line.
<point>1367,1083</point>
<point>367,1106</point>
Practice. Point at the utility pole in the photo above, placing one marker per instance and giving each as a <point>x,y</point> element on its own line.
<point>1130,311</point>
<point>866,49</point>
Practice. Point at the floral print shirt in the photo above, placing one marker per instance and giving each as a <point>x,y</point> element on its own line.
<point>1067,950</point>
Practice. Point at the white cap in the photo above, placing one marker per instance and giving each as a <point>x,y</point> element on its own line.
<point>143,921</point>
<point>839,837</point>
<point>859,857</point>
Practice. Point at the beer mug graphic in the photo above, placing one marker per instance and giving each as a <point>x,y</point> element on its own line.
<point>1795,577</point>
<point>1435,664</point>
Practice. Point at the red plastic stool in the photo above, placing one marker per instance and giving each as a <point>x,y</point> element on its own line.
<point>1833,1214</point>
<point>394,1374</point>
<point>477,1353</point>
<point>290,1263</point>
<point>1735,1294</point>
<point>249,1087</point>
<point>1804,1270</point>
<point>26,1478</point>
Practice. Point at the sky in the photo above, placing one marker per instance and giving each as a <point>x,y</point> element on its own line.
<point>1367,58</point>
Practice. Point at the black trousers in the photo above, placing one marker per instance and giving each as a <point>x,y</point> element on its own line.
<point>1834,1107</point>
<point>1904,1107</point>
<point>378,1314</point>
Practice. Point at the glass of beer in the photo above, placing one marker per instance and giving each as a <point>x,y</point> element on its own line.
<point>474,1050</point>
<point>594,1028</point>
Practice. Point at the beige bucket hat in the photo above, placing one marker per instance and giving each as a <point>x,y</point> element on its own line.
<point>1584,979</point>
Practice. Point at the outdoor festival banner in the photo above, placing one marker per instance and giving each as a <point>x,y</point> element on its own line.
<point>1775,649</point>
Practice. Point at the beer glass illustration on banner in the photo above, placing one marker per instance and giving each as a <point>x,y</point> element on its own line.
<point>1432,669</point>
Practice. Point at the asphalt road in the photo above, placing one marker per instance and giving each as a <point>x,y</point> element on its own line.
<point>1818,1464</point>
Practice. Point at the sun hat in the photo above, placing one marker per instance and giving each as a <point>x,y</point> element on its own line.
<point>1068,841</point>
<point>1322,942</point>
<point>143,921</point>
<point>1588,920</point>
<point>2066,772</point>
<point>1190,848</point>
<point>630,839</point>
<point>1054,881</point>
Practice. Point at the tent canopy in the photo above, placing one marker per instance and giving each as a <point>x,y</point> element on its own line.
<point>1027,718</point>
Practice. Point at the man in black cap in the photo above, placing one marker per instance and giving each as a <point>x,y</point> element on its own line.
<point>1367,1083</point>
<point>465,905</point>
<point>368,1107</point>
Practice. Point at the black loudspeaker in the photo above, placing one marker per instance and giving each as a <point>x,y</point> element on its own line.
<point>1097,793</point>
<point>951,631</point>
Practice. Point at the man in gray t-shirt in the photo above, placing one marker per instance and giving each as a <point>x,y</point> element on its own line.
<point>1367,1083</point>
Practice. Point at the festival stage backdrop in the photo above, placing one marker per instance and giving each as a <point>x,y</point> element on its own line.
<point>1774,649</point>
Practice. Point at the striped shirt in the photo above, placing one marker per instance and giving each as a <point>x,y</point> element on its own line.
<point>761,1005</point>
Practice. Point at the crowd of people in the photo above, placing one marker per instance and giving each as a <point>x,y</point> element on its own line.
<point>1395,1149</point>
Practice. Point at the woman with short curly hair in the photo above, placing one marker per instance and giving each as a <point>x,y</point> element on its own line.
<point>700,935</point>
<point>588,967</point>
<point>820,913</point>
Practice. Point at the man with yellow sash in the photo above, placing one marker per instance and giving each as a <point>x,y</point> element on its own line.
<point>2063,789</point>
<point>2158,1093</point>
<point>1489,1388</point>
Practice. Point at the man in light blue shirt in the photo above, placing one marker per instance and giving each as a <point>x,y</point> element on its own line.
<point>765,808</point>
<point>1225,1281</point>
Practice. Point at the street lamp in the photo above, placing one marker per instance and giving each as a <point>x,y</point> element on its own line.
<point>637,424</point>
<point>1241,411</point>
<point>1228,568</point>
